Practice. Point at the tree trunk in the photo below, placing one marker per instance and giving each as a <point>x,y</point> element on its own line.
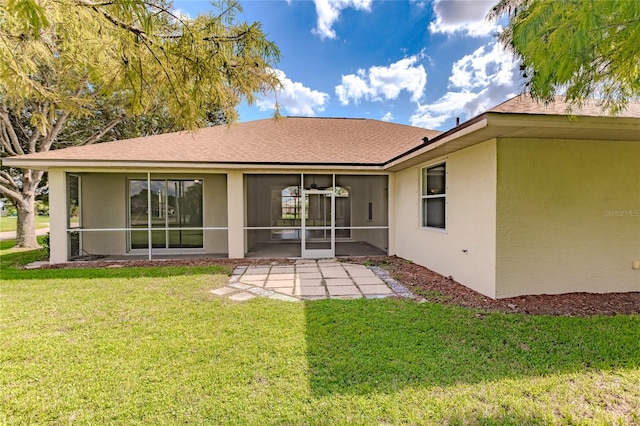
<point>26,232</point>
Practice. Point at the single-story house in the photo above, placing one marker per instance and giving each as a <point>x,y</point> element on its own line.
<point>522,199</point>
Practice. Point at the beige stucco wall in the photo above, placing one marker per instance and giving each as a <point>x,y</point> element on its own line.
<point>470,219</point>
<point>568,215</point>
<point>104,205</point>
<point>58,239</point>
<point>215,213</point>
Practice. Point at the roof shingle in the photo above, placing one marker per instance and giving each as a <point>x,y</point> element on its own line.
<point>524,104</point>
<point>285,140</point>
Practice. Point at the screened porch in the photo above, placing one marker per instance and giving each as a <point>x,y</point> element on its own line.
<point>316,215</point>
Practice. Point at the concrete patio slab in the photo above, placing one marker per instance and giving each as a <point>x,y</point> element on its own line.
<point>283,290</point>
<point>222,291</point>
<point>308,282</point>
<point>240,286</point>
<point>359,271</point>
<point>343,290</point>
<point>241,297</point>
<point>281,276</point>
<point>334,272</point>
<point>282,270</point>
<point>258,270</point>
<point>303,275</point>
<point>338,281</point>
<point>368,280</point>
<point>375,289</point>
<point>310,291</point>
<point>254,277</point>
<point>279,283</point>
<point>257,283</point>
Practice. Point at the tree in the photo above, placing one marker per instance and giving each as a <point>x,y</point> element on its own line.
<point>76,72</point>
<point>582,49</point>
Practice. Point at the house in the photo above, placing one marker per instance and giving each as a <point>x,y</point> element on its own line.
<point>522,199</point>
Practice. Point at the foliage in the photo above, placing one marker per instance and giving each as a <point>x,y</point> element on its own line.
<point>76,72</point>
<point>152,345</point>
<point>45,243</point>
<point>68,55</point>
<point>581,48</point>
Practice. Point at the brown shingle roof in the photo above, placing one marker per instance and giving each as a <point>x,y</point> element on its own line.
<point>286,140</point>
<point>524,104</point>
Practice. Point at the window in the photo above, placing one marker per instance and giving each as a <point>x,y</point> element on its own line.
<point>434,196</point>
<point>176,209</point>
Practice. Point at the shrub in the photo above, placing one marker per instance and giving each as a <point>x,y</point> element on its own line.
<point>45,243</point>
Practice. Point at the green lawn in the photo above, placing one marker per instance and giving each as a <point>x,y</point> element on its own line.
<point>153,346</point>
<point>9,223</point>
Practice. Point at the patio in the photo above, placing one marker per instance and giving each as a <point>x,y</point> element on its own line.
<point>311,280</point>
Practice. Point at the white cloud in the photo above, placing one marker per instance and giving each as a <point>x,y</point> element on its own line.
<point>483,67</point>
<point>181,14</point>
<point>463,16</point>
<point>328,12</point>
<point>295,98</point>
<point>478,82</point>
<point>434,115</point>
<point>387,117</point>
<point>383,83</point>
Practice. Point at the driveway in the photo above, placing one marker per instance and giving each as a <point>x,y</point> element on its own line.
<point>11,235</point>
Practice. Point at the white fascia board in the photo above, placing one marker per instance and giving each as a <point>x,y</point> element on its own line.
<point>109,166</point>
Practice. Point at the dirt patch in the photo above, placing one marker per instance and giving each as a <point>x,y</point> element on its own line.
<point>434,287</point>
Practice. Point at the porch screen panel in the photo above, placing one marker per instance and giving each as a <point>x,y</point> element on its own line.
<point>138,217</point>
<point>184,210</point>
<point>138,213</point>
<point>158,213</point>
<point>362,215</point>
<point>73,214</point>
<point>175,204</point>
<point>273,215</point>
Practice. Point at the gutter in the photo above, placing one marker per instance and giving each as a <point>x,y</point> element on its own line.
<point>45,164</point>
<point>438,138</point>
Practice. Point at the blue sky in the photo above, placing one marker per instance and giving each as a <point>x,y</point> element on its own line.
<point>422,63</point>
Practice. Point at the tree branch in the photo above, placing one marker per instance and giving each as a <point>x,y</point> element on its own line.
<point>128,27</point>
<point>45,145</point>
<point>13,137</point>
<point>5,140</point>
<point>7,179</point>
<point>96,137</point>
<point>14,196</point>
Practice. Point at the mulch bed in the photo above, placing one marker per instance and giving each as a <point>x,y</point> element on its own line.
<point>434,287</point>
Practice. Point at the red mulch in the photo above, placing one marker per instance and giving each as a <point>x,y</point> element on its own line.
<point>436,288</point>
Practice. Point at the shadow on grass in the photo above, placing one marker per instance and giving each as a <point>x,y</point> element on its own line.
<point>382,346</point>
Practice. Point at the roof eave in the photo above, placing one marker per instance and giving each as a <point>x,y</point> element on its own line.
<point>440,145</point>
<point>492,125</point>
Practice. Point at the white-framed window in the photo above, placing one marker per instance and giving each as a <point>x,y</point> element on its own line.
<point>434,196</point>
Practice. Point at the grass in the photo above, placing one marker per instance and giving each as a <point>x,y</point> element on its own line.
<point>10,223</point>
<point>153,346</point>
